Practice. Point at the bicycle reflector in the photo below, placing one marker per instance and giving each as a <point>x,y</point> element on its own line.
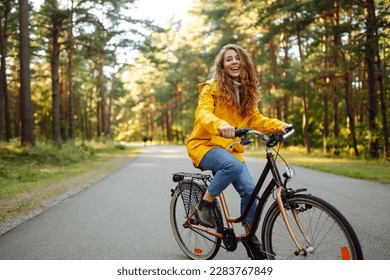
<point>345,254</point>
<point>198,251</point>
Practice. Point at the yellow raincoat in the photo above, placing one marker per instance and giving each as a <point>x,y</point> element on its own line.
<point>211,114</point>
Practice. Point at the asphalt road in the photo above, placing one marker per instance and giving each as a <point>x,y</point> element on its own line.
<point>126,215</point>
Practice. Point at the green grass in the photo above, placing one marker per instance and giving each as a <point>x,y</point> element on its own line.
<point>27,174</point>
<point>30,175</point>
<point>374,170</point>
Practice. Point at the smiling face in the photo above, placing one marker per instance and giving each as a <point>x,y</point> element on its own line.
<point>232,64</point>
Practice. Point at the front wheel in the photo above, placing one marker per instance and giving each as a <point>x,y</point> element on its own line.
<point>196,244</point>
<point>321,230</point>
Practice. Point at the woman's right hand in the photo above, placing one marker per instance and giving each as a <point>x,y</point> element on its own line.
<point>227,131</point>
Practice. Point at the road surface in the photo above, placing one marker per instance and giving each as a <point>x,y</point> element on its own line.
<point>126,215</point>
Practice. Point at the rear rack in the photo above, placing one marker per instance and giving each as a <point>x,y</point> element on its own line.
<point>179,176</point>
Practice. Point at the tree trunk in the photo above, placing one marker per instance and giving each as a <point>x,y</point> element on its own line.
<point>305,125</point>
<point>305,117</point>
<point>71,110</point>
<point>334,78</point>
<point>326,90</point>
<point>55,62</point>
<point>63,105</point>
<point>286,62</point>
<point>274,72</point>
<point>336,118</point>
<point>88,115</point>
<point>102,93</point>
<point>349,103</point>
<point>110,103</point>
<point>386,152</point>
<point>325,100</point>
<point>25,74</point>
<point>370,53</point>
<point>98,120</point>
<point>166,124</point>
<point>5,117</point>
<point>350,109</point>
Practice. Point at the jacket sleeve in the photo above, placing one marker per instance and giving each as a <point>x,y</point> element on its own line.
<point>204,113</point>
<point>264,124</point>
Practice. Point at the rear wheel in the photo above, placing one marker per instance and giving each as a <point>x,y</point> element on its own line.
<point>195,244</point>
<point>327,235</point>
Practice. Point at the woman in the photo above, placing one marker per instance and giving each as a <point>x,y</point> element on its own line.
<point>228,101</point>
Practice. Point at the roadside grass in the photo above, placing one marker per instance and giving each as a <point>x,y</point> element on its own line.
<point>29,175</point>
<point>374,170</point>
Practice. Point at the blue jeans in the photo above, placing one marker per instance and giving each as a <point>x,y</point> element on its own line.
<point>229,170</point>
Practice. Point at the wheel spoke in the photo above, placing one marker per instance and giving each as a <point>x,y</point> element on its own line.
<point>194,243</point>
<point>329,233</point>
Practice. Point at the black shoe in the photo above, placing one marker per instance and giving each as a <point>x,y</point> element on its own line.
<point>204,214</point>
<point>254,249</point>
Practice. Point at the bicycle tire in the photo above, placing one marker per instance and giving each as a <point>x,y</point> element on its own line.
<point>330,235</point>
<point>197,245</point>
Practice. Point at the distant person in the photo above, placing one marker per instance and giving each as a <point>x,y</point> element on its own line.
<point>145,140</point>
<point>228,101</point>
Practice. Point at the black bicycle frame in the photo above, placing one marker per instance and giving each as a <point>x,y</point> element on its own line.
<point>276,181</point>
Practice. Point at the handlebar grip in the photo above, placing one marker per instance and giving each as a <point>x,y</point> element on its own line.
<point>290,132</point>
<point>241,131</point>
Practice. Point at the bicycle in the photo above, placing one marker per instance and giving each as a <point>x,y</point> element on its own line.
<point>295,226</point>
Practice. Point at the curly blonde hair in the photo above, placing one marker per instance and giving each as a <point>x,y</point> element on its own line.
<point>250,95</point>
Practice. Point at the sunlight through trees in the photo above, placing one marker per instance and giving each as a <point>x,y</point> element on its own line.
<point>98,71</point>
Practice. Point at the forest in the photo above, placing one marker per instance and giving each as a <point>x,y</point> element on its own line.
<point>92,69</point>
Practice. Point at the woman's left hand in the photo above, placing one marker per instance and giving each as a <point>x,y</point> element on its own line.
<point>285,128</point>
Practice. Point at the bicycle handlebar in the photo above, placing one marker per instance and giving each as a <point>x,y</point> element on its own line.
<point>290,131</point>
<point>271,141</point>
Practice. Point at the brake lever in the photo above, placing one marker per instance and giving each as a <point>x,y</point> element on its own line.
<point>274,139</point>
<point>245,141</point>
<point>241,132</point>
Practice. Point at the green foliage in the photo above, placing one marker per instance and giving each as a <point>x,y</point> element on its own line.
<point>30,176</point>
<point>143,78</point>
<point>21,163</point>
<point>25,168</point>
<point>270,33</point>
<point>343,164</point>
